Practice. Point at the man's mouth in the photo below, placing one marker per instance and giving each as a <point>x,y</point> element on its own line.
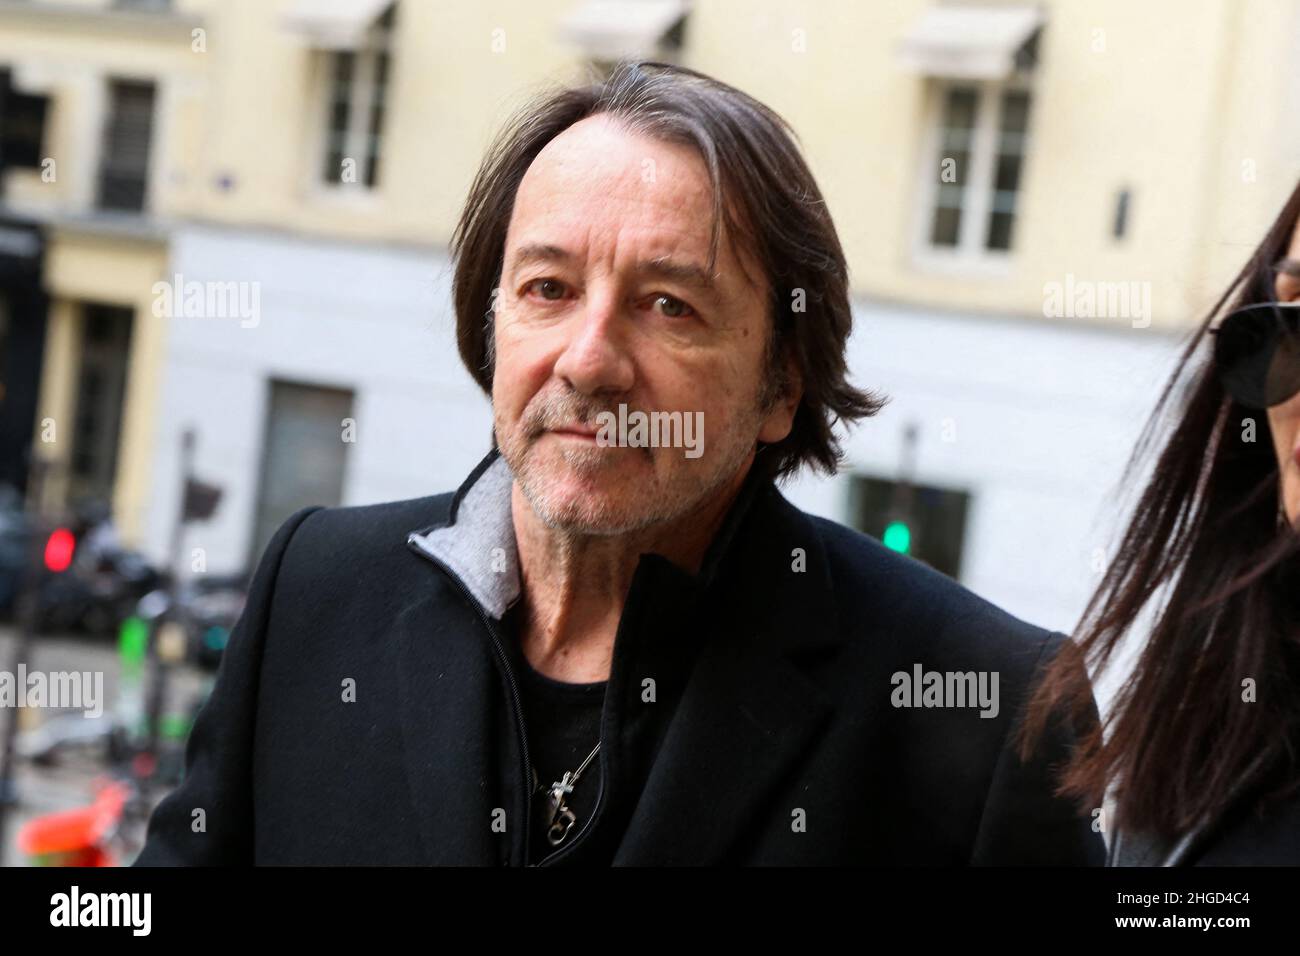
<point>576,431</point>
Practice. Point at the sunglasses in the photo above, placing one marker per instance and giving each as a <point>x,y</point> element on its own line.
<point>1257,353</point>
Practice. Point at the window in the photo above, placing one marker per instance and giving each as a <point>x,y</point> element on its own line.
<point>101,390</point>
<point>977,160</point>
<point>1013,125</point>
<point>955,144</point>
<point>304,456</point>
<point>357,84</point>
<point>925,522</point>
<point>22,126</point>
<point>976,62</point>
<point>124,160</point>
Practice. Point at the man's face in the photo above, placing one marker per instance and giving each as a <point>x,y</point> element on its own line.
<point>605,299</point>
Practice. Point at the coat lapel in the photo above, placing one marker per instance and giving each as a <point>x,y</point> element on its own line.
<point>448,696</point>
<point>742,726</point>
<point>750,713</point>
<point>463,754</point>
<point>724,645</point>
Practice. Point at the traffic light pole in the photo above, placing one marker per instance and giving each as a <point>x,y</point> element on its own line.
<point>26,619</point>
<point>157,668</point>
<point>902,506</point>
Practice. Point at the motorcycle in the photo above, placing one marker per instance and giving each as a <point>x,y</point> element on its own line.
<point>144,750</point>
<point>94,591</point>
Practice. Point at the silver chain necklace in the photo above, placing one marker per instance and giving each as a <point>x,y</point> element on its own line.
<point>559,817</point>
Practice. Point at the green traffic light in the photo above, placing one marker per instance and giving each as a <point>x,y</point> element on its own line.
<point>897,537</point>
<point>132,644</point>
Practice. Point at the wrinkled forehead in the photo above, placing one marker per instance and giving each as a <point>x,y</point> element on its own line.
<point>609,151</point>
<point>601,174</point>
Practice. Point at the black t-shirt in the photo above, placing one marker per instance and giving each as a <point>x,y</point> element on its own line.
<point>563,725</point>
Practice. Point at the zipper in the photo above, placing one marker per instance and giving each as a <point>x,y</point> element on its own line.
<point>630,609</point>
<point>595,810</point>
<point>510,681</point>
<point>527,768</point>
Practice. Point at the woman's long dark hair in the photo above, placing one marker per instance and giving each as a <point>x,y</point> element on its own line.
<point>1205,563</point>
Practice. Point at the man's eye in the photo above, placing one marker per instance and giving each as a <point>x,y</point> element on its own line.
<point>672,307</point>
<point>547,288</point>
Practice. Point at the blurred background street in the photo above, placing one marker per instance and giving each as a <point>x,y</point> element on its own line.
<point>68,781</point>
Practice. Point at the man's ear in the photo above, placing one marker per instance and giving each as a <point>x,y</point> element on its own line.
<point>780,417</point>
<point>792,395</point>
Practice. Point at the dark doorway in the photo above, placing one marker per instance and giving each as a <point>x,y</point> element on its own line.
<point>304,456</point>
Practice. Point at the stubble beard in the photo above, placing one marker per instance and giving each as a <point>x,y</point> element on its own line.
<point>669,494</point>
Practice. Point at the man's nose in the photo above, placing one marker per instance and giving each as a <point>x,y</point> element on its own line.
<point>595,357</point>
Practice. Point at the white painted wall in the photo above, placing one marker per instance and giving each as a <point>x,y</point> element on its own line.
<point>375,319</point>
<point>1044,414</point>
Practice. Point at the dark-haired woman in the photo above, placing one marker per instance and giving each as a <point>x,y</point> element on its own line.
<point>1200,753</point>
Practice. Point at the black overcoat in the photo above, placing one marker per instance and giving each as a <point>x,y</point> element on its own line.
<point>364,712</point>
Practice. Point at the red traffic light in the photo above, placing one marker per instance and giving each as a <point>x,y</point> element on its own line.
<point>58,549</point>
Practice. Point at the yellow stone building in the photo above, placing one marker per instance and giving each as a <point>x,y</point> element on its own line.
<point>1036,201</point>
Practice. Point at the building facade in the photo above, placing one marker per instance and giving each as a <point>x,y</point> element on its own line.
<point>246,234</point>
